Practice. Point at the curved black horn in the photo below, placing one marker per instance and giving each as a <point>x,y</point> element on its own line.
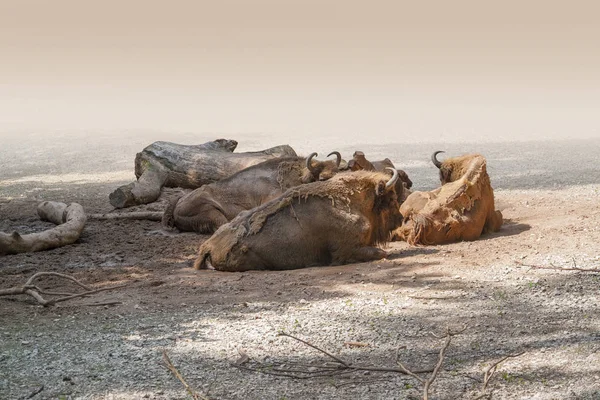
<point>338,155</point>
<point>393,179</point>
<point>308,162</point>
<point>435,161</point>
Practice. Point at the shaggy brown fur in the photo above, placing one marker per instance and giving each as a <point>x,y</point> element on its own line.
<point>461,209</point>
<point>335,221</point>
<point>452,169</point>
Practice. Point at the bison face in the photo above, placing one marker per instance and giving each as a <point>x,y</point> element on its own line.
<point>445,168</point>
<point>386,208</point>
<point>321,170</point>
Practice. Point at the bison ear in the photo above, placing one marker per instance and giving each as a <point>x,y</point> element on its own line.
<point>380,189</point>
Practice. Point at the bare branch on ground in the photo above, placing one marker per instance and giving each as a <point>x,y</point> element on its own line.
<point>195,395</point>
<point>489,373</point>
<point>34,291</point>
<point>338,366</point>
<point>144,215</point>
<point>554,267</point>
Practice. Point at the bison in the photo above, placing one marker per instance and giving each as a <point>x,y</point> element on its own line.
<point>461,209</point>
<point>338,221</point>
<point>360,163</point>
<point>210,206</point>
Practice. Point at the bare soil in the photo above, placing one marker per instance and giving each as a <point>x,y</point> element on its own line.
<point>203,319</point>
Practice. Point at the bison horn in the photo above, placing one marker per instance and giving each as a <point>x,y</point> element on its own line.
<point>309,164</point>
<point>393,179</point>
<point>338,155</point>
<point>435,161</point>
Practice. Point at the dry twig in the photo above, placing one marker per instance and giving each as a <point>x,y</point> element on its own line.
<point>428,382</point>
<point>144,215</point>
<point>340,366</point>
<point>34,291</point>
<point>34,393</point>
<point>553,267</point>
<point>195,395</point>
<point>487,375</point>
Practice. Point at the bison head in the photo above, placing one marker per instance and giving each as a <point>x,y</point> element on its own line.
<point>359,162</point>
<point>450,169</point>
<point>321,170</point>
<point>386,208</point>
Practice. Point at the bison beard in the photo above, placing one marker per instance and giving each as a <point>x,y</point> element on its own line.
<point>462,209</point>
<point>331,222</point>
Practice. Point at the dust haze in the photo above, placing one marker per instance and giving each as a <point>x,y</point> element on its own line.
<point>380,72</point>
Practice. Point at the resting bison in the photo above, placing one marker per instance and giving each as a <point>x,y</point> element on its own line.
<point>212,205</point>
<point>333,222</point>
<point>462,209</point>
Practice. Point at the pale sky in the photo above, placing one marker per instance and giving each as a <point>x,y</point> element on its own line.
<point>382,68</point>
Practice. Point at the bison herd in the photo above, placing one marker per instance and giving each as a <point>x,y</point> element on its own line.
<point>296,212</point>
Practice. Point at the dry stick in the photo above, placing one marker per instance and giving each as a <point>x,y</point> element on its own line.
<point>433,297</point>
<point>339,360</point>
<point>487,376</point>
<point>428,382</point>
<point>575,268</point>
<point>340,367</point>
<point>35,392</point>
<point>34,291</point>
<point>68,277</point>
<point>106,303</point>
<point>195,395</point>
<point>85,294</point>
<point>346,364</point>
<point>144,215</point>
<point>306,374</point>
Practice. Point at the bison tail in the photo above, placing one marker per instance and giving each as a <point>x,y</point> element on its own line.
<point>168,219</point>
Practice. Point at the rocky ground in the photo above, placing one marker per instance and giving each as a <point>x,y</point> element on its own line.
<point>368,314</point>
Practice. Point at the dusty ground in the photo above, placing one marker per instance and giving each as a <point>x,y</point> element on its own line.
<point>549,194</point>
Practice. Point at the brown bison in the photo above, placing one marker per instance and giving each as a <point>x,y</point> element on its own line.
<point>210,206</point>
<point>332,222</point>
<point>461,209</point>
<point>360,163</point>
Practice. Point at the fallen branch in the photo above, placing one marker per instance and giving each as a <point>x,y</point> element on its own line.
<point>34,291</point>
<point>553,267</point>
<point>146,215</point>
<point>106,303</point>
<point>428,382</point>
<point>432,297</point>
<point>338,366</point>
<point>70,220</point>
<point>35,392</point>
<point>487,375</point>
<point>195,395</point>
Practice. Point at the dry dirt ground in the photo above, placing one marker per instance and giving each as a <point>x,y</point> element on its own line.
<point>549,194</point>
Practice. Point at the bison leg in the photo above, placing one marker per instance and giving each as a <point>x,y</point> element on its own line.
<point>493,222</point>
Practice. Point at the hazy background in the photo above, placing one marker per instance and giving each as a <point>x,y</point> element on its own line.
<point>375,71</point>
